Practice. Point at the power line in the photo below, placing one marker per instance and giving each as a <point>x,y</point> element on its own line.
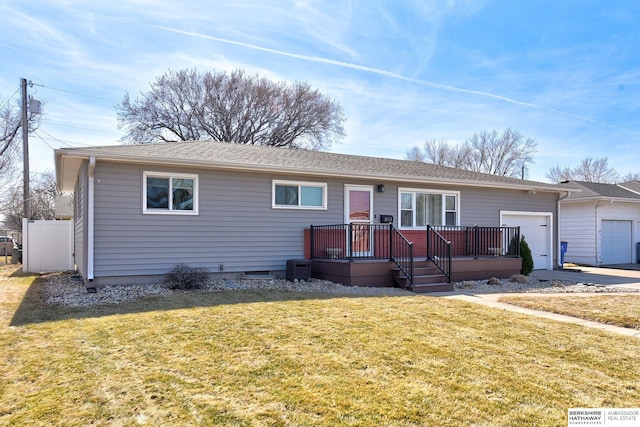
<point>74,127</point>
<point>78,93</point>
<point>11,97</point>
<point>43,140</point>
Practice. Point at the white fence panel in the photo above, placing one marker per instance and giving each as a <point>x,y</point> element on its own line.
<point>47,246</point>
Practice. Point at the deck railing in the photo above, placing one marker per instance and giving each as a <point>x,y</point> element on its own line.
<point>362,241</point>
<point>479,241</point>
<point>383,241</point>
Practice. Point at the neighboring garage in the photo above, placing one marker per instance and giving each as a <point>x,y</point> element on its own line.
<point>601,222</point>
<point>537,227</point>
<point>617,244</point>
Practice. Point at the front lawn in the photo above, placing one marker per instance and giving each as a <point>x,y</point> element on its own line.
<point>280,358</point>
<point>619,310</point>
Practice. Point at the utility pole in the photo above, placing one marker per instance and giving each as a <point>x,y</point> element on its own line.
<point>25,150</point>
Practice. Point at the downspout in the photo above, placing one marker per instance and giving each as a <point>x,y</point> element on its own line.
<point>90,214</point>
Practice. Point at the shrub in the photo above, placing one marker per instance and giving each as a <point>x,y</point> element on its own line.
<point>493,281</point>
<point>518,278</point>
<point>184,277</point>
<point>527,258</point>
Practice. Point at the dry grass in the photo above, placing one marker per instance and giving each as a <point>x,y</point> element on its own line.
<point>277,358</point>
<point>619,310</point>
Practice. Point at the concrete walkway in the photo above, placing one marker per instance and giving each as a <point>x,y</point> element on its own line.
<point>608,277</point>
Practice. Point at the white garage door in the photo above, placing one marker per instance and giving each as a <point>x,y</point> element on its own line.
<point>537,232</point>
<point>616,242</point>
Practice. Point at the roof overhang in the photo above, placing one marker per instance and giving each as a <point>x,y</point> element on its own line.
<point>68,163</point>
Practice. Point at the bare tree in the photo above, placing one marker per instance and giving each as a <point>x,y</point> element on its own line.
<point>43,191</point>
<point>235,107</point>
<point>10,144</point>
<point>507,153</point>
<point>589,170</point>
<point>558,174</point>
<point>631,177</point>
<point>415,154</point>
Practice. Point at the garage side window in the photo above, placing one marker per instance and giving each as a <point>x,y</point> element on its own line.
<point>170,193</point>
<point>299,195</point>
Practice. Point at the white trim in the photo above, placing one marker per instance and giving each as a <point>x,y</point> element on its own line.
<point>426,191</point>
<point>347,220</point>
<point>322,185</point>
<point>368,188</point>
<point>550,235</point>
<point>90,217</point>
<point>170,176</point>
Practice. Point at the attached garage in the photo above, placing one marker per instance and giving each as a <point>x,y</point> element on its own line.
<point>617,245</point>
<point>537,228</point>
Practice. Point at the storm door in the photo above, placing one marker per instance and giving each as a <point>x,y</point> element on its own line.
<point>358,207</point>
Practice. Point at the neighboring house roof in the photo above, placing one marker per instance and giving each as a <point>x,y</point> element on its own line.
<point>598,191</point>
<point>222,155</point>
<point>631,185</point>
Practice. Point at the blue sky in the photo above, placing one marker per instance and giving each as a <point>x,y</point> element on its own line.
<point>565,73</point>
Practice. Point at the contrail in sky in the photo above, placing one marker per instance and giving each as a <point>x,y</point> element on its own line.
<point>380,72</point>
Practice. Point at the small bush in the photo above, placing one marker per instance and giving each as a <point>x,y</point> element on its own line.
<point>184,277</point>
<point>518,278</point>
<point>467,284</point>
<point>494,281</point>
<point>527,258</point>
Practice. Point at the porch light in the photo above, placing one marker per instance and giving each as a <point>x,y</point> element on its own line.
<point>380,188</point>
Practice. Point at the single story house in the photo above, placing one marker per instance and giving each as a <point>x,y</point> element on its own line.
<point>239,210</point>
<point>600,222</point>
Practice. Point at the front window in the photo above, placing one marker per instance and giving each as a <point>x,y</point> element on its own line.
<point>170,193</point>
<point>299,195</point>
<point>419,208</point>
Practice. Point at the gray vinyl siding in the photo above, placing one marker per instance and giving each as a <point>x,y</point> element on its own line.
<point>236,225</point>
<point>483,206</point>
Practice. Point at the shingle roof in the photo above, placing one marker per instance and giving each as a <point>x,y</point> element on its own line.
<point>631,185</point>
<point>210,154</point>
<point>594,190</point>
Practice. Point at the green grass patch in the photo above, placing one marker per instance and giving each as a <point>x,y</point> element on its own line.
<point>619,310</point>
<point>277,358</point>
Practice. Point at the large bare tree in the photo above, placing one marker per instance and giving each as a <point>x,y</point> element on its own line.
<point>506,153</point>
<point>589,170</point>
<point>236,107</point>
<point>43,191</point>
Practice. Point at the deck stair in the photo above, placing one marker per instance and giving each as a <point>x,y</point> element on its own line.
<point>426,278</point>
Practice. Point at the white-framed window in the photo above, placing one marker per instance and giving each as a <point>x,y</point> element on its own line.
<point>169,193</point>
<point>298,195</point>
<point>419,208</point>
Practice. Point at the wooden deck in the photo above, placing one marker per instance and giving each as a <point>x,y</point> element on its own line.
<point>427,278</point>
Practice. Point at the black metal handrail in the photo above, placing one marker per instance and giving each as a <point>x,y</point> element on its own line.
<point>401,251</point>
<point>439,251</point>
<point>481,241</point>
<point>357,241</point>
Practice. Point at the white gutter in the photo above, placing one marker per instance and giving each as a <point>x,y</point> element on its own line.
<point>90,215</point>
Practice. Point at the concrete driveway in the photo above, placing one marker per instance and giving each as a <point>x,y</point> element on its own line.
<point>625,275</point>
